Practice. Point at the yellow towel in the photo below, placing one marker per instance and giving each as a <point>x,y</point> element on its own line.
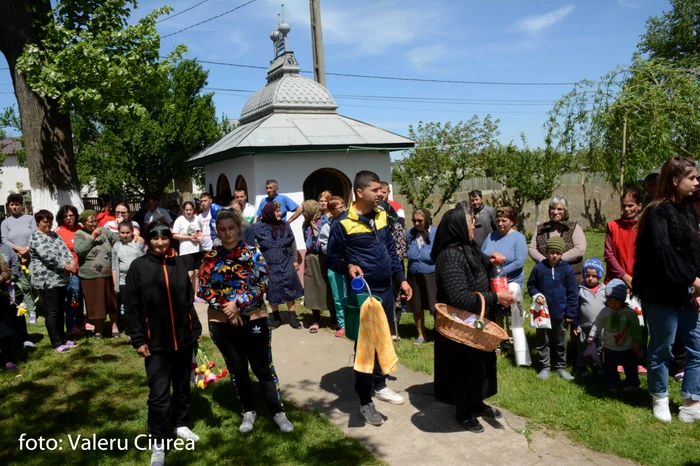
<point>373,338</point>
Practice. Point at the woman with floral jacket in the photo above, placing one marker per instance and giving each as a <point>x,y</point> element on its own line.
<point>233,280</point>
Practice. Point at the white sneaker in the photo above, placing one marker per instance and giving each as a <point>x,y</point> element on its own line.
<point>661,410</point>
<point>248,421</point>
<point>158,454</point>
<point>689,413</point>
<point>389,395</point>
<point>186,433</point>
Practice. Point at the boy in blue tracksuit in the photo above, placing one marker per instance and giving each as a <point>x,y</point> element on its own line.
<point>553,282</point>
<point>361,245</point>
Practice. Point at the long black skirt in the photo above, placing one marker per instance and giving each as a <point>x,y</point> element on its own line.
<point>463,375</point>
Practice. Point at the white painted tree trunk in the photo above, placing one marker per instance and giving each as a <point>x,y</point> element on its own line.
<point>42,198</point>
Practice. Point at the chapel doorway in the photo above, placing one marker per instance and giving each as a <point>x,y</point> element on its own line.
<point>327,179</point>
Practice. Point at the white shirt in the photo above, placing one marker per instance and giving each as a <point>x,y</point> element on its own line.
<point>249,213</point>
<point>186,227</point>
<point>206,241</point>
<point>112,225</point>
<point>156,215</point>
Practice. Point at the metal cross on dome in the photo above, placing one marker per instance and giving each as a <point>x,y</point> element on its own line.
<point>279,35</point>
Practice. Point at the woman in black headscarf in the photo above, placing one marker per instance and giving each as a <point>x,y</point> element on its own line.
<point>464,376</point>
<point>277,245</point>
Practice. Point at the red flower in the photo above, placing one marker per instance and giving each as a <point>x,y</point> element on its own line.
<point>211,364</point>
<point>223,373</point>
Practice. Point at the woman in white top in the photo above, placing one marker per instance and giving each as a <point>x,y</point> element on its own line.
<point>188,230</point>
<point>121,212</point>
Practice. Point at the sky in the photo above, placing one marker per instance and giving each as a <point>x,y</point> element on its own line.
<point>540,41</point>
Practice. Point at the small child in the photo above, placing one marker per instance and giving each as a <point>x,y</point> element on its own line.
<point>553,282</point>
<point>123,253</point>
<point>591,301</point>
<point>622,337</point>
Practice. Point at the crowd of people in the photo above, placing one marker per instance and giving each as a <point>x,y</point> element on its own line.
<point>636,311</point>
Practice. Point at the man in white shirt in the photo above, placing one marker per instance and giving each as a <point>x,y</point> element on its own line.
<point>155,213</point>
<point>248,213</point>
<point>207,210</point>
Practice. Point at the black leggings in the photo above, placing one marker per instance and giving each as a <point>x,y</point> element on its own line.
<point>6,349</point>
<point>249,343</point>
<point>55,309</point>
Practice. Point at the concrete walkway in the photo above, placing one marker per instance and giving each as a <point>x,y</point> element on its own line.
<point>315,372</point>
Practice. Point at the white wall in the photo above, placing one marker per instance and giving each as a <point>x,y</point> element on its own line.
<point>12,173</point>
<point>232,168</point>
<point>291,170</point>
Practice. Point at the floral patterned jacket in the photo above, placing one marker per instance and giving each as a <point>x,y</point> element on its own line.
<point>238,275</point>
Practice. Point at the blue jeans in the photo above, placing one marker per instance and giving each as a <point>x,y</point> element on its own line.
<point>664,322</point>
<point>74,303</point>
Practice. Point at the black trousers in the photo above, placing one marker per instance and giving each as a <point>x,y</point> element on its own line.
<point>164,368</point>
<point>250,343</point>
<point>628,360</point>
<point>5,349</point>
<point>54,308</point>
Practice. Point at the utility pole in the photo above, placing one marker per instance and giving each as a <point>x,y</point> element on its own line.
<point>317,42</point>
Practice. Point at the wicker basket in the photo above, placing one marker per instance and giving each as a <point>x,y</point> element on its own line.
<point>487,339</point>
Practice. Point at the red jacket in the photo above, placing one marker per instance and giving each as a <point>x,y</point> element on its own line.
<point>620,241</point>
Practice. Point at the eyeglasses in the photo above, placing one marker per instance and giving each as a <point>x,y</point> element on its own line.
<point>557,209</point>
<point>417,220</point>
<point>69,216</point>
<point>121,212</point>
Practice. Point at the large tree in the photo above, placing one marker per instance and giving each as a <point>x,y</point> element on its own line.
<point>145,154</point>
<point>445,155</point>
<point>81,56</point>
<point>636,116</point>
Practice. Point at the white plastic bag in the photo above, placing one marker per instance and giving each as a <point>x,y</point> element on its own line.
<point>517,324</point>
<point>636,305</point>
<point>539,314</point>
<point>592,353</point>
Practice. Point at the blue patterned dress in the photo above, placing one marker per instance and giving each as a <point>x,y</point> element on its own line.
<point>279,254</point>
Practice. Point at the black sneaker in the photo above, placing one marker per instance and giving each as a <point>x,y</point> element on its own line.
<point>473,425</point>
<point>294,322</point>
<point>274,324</point>
<point>491,413</point>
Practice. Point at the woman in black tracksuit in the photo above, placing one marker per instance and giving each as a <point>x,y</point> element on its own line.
<point>164,329</point>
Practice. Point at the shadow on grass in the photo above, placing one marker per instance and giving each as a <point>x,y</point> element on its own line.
<point>100,389</point>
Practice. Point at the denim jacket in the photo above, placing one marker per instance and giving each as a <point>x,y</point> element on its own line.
<point>419,260</point>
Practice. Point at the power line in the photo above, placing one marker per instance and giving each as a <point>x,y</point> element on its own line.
<point>406,99</point>
<point>2,69</point>
<point>210,19</point>
<point>183,11</point>
<point>400,78</point>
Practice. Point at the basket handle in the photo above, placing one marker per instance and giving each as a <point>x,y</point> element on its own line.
<point>483,303</point>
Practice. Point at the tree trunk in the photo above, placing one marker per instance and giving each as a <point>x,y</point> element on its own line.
<point>46,132</point>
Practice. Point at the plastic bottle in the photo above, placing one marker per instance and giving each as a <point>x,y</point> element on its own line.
<point>499,280</point>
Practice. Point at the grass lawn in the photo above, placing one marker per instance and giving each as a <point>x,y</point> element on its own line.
<point>100,388</point>
<point>622,425</point>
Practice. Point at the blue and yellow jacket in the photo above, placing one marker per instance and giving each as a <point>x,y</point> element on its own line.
<point>366,241</point>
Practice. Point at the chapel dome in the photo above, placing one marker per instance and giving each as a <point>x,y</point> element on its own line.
<point>288,93</point>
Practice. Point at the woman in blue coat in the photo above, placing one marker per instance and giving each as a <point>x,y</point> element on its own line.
<point>421,270</point>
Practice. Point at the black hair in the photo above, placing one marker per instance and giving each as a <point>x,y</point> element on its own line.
<point>363,179</point>
<point>651,177</point>
<point>14,197</point>
<point>206,195</point>
<point>126,223</point>
<point>184,204</point>
<point>159,228</point>
<point>63,211</point>
<point>43,214</point>
<point>153,197</point>
<point>272,182</point>
<point>103,200</point>
<point>475,193</point>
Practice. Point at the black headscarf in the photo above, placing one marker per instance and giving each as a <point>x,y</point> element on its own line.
<point>268,216</point>
<point>427,222</point>
<point>452,232</point>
